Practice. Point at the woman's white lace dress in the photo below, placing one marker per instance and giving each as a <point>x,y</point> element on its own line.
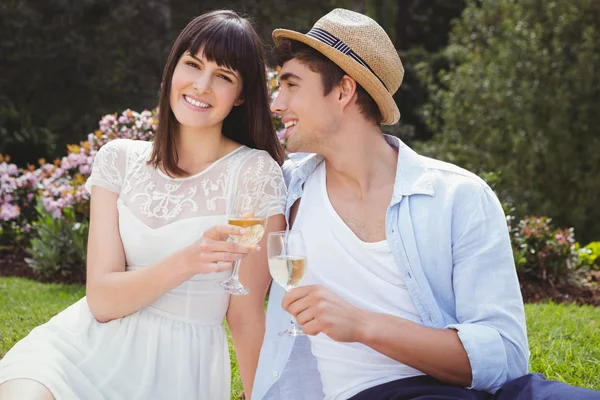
<point>176,348</point>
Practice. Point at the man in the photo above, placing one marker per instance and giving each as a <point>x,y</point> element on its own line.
<point>411,287</point>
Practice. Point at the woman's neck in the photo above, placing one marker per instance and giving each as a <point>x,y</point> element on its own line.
<point>197,149</point>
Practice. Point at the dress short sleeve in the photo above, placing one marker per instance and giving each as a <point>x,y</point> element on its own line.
<point>260,175</point>
<point>108,169</point>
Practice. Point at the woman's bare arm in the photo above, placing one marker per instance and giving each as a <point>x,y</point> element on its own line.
<point>246,314</point>
<point>112,292</point>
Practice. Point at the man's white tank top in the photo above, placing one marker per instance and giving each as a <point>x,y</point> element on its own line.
<point>365,275</point>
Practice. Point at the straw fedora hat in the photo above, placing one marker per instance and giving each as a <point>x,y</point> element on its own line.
<point>359,46</point>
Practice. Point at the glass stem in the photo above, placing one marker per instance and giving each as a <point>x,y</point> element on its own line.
<point>236,270</point>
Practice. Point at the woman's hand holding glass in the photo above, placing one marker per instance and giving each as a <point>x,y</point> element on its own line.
<point>214,252</point>
<point>248,211</point>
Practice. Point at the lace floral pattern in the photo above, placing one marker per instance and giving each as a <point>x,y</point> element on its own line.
<point>108,167</point>
<point>165,204</point>
<point>157,200</point>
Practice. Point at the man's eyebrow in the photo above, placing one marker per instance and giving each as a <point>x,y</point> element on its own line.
<point>289,75</point>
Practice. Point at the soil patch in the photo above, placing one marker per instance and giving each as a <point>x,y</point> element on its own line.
<point>12,263</point>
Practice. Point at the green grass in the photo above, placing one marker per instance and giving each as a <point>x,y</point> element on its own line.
<point>564,339</point>
<point>25,304</point>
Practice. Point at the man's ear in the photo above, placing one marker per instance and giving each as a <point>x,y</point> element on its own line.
<point>347,90</point>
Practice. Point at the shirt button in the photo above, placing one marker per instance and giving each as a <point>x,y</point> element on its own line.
<point>275,374</point>
<point>295,197</point>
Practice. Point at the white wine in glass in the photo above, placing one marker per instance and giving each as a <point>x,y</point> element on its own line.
<point>287,265</point>
<point>249,212</point>
<point>255,229</point>
<point>288,271</point>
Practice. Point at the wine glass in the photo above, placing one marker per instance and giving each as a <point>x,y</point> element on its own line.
<point>250,212</point>
<point>287,265</point>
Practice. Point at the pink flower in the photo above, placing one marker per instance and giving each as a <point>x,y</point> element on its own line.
<point>8,212</point>
<point>47,167</point>
<point>85,169</point>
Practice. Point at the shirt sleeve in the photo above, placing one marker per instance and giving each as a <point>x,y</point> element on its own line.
<point>261,175</point>
<point>489,304</point>
<point>108,169</point>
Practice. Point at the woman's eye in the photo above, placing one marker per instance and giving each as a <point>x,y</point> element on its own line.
<point>193,65</point>
<point>225,77</point>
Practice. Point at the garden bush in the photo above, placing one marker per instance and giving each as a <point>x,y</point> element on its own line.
<point>589,256</point>
<point>543,252</point>
<point>520,94</point>
<point>58,245</point>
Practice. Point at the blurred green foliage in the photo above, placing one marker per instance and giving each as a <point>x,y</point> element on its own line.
<point>521,95</point>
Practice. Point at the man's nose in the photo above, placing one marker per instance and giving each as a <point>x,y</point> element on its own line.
<point>278,105</point>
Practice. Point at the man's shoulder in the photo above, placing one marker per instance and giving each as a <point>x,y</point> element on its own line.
<point>447,174</point>
<point>435,175</point>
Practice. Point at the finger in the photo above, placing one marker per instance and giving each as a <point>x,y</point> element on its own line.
<point>216,256</point>
<point>234,247</point>
<point>312,328</point>
<point>302,305</point>
<point>297,306</point>
<point>306,315</point>
<point>221,266</point>
<point>215,267</point>
<point>222,232</point>
<point>296,294</point>
<point>209,245</point>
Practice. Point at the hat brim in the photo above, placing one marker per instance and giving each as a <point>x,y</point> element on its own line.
<point>389,110</point>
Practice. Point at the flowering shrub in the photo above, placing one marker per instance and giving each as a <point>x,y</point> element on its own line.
<point>589,256</point>
<point>58,245</point>
<point>542,251</point>
<point>17,198</point>
<point>60,185</point>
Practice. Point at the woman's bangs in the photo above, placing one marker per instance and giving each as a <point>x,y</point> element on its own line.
<point>224,43</point>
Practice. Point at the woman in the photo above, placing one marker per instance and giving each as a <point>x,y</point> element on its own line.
<point>150,326</point>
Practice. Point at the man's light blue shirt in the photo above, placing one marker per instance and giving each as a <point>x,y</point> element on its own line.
<point>449,237</point>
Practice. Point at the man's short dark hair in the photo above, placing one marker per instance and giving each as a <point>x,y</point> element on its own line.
<point>330,73</point>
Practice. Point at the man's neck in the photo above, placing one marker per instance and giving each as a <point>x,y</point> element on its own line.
<point>363,161</point>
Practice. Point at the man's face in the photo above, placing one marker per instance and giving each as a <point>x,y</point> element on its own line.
<point>310,118</point>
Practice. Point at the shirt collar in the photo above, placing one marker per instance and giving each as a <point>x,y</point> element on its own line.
<point>412,175</point>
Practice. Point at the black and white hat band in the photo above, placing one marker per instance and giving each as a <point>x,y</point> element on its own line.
<point>330,40</point>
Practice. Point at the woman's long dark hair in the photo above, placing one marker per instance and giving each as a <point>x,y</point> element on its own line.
<point>229,40</point>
